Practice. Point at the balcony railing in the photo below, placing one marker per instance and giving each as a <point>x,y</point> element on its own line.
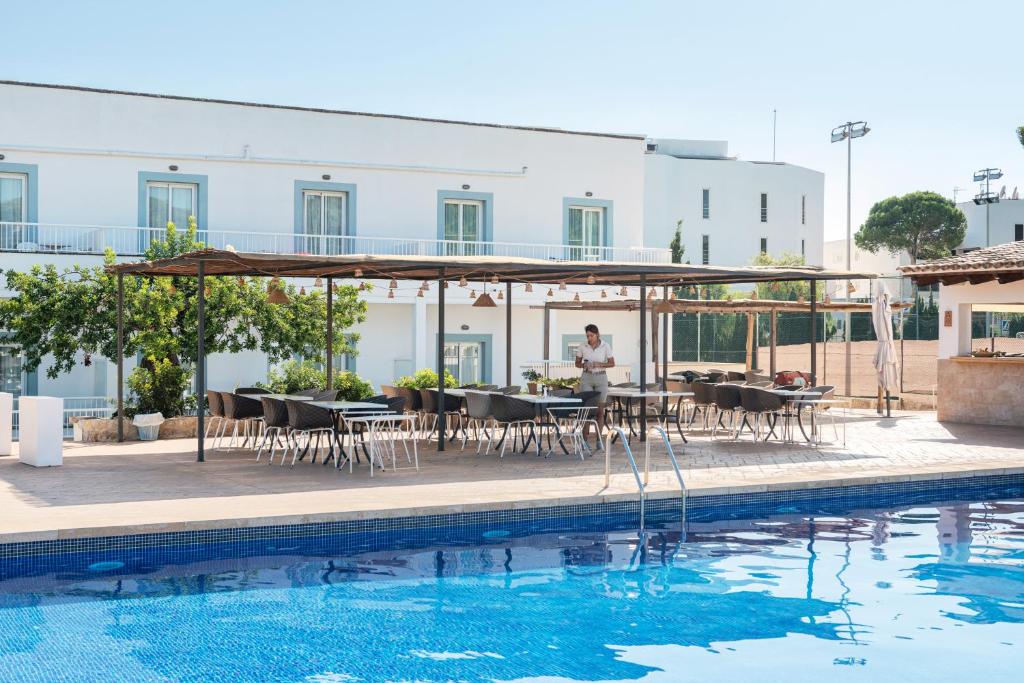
<point>51,238</point>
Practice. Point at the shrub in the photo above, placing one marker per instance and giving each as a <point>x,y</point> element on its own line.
<point>294,376</point>
<point>532,375</point>
<point>157,386</point>
<point>426,379</point>
<point>352,387</point>
<point>560,382</point>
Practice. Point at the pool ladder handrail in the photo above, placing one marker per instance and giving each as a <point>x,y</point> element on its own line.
<point>645,480</point>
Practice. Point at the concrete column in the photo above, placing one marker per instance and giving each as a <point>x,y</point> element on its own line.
<point>421,346</point>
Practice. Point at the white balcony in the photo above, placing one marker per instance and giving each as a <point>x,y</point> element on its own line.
<point>51,238</point>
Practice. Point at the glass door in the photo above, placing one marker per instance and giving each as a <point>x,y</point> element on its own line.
<point>12,370</point>
<point>167,203</point>
<point>586,231</point>
<point>462,227</point>
<point>462,359</point>
<point>12,210</point>
<point>324,222</point>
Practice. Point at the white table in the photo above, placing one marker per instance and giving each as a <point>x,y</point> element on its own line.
<point>373,424</point>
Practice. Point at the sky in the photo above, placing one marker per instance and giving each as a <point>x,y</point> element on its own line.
<point>939,83</point>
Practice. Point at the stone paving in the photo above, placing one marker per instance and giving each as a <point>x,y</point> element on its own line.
<point>136,487</point>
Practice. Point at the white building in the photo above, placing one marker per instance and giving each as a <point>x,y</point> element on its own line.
<point>1005,223</point>
<point>84,169</point>
<point>731,209</point>
<point>884,262</point>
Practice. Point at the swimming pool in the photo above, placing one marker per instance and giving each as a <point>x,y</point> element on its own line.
<point>922,593</point>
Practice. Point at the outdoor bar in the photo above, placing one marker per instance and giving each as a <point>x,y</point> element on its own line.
<point>444,269</point>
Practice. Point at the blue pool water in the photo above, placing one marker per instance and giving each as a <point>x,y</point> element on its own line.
<point>926,593</point>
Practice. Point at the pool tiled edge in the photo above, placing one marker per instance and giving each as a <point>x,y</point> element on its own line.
<point>702,504</point>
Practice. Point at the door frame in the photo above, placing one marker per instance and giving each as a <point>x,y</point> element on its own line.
<point>486,348</point>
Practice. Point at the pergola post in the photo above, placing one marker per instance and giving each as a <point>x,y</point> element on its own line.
<point>750,342</point>
<point>547,334</point>
<point>814,332</point>
<point>201,365</point>
<point>643,355</point>
<point>772,343</point>
<point>440,361</point>
<point>508,333</point>
<point>120,357</point>
<point>330,335</point>
<point>664,357</point>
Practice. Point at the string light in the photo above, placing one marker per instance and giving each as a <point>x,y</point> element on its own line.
<point>529,288</point>
<point>419,293</point>
<point>393,284</point>
<point>623,292</point>
<point>358,273</point>
<point>494,279</point>
<point>604,294</point>
<point>424,287</point>
<point>462,281</point>
<point>500,295</point>
<point>472,294</point>
<point>241,281</point>
<point>318,283</point>
<point>576,298</point>
<point>561,286</point>
<point>446,284</point>
<point>302,291</point>
<point>391,294</point>
<point>590,280</point>
<point>361,286</point>
<point>551,292</point>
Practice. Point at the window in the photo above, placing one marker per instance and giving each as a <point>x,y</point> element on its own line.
<point>13,188</point>
<point>705,249</point>
<point>12,370</point>
<point>586,230</point>
<point>170,202</point>
<point>764,207</point>
<point>803,209</point>
<point>1018,232</point>
<point>764,245</point>
<point>324,221</point>
<point>463,219</point>
<point>705,204</point>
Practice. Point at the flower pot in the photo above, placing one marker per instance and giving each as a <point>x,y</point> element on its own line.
<point>531,387</point>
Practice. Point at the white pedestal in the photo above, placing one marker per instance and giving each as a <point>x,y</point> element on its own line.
<point>41,430</point>
<point>6,413</point>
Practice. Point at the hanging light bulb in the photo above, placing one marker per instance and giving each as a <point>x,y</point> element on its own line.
<point>494,279</point>
<point>206,291</point>
<point>173,289</point>
<point>672,293</point>
<point>551,292</point>
<point>472,294</point>
<point>358,272</point>
<point>425,287</point>
<point>391,294</point>
<point>462,281</point>
<point>529,288</point>
<point>446,284</point>
<point>604,294</point>
<point>576,298</point>
<point>318,283</point>
<point>361,286</point>
<point>419,293</point>
<point>650,295</point>
<point>484,301</point>
<point>393,284</point>
<point>302,291</point>
<point>590,280</point>
<point>500,295</point>
<point>623,292</point>
<point>241,281</point>
<point>561,286</point>
<point>277,295</point>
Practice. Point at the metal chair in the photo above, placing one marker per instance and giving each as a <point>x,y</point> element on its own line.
<point>242,410</point>
<point>703,402</point>
<point>216,405</point>
<point>306,420</point>
<point>727,402</point>
<point>452,408</point>
<point>478,418</point>
<point>764,406</point>
<point>249,391</point>
<point>275,424</point>
<point>512,413</point>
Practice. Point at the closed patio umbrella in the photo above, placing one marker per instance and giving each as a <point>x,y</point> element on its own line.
<point>885,354</point>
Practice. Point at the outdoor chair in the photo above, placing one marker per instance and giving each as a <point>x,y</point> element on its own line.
<point>478,413</point>
<point>275,424</point>
<point>512,413</point>
<point>308,392</point>
<point>586,418</point>
<point>510,390</point>
<point>326,395</point>
<point>625,385</point>
<point>388,390</point>
<point>715,376</point>
<point>733,376</point>
<point>753,376</point>
<point>817,410</point>
<point>487,387</point>
<point>560,393</point>
<point>703,402</point>
<point>571,425</point>
<point>727,402</point>
<point>252,390</point>
<point>245,411</point>
<point>216,405</point>
<point>765,407</point>
<point>452,408</point>
<point>413,402</point>
<point>306,420</point>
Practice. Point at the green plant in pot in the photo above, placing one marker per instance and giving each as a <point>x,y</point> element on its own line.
<point>560,382</point>
<point>426,379</point>
<point>532,377</point>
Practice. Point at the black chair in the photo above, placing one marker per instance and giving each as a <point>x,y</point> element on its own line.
<point>727,402</point>
<point>249,391</point>
<point>326,395</point>
<point>478,417</point>
<point>389,390</point>
<point>308,392</point>
<point>733,376</point>
<point>452,408</point>
<point>764,406</point>
<point>512,413</point>
<point>242,410</point>
<point>306,420</point>
<point>216,405</point>
<point>275,424</point>
<point>703,402</point>
<point>510,390</point>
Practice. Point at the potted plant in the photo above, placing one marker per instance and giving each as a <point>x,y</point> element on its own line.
<point>532,377</point>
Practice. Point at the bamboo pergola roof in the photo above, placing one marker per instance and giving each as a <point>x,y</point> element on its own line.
<point>540,271</point>
<point>719,306</point>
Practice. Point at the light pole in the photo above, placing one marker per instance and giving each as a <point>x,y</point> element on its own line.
<point>848,131</point>
<point>988,198</point>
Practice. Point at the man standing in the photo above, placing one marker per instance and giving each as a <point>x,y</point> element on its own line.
<point>595,356</point>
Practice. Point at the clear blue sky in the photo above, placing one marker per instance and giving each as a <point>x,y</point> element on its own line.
<point>940,83</point>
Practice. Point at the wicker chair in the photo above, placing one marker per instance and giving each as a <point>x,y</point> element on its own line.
<point>251,391</point>
<point>452,408</point>
<point>275,424</point>
<point>510,390</point>
<point>765,407</point>
<point>478,414</point>
<point>389,390</point>
<point>703,402</point>
<point>245,411</point>
<point>308,392</point>
<point>326,395</point>
<point>306,420</point>
<point>512,413</point>
<point>216,404</point>
<point>727,402</point>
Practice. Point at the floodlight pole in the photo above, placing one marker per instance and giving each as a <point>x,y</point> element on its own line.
<point>330,334</point>
<point>120,357</point>
<point>440,361</point>
<point>201,363</point>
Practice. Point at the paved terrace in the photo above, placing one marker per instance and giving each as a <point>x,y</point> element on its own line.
<point>113,489</point>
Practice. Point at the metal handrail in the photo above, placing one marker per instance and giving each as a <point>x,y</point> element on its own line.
<point>675,465</point>
<point>641,484</point>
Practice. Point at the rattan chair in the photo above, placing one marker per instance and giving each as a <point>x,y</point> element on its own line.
<point>765,407</point>
<point>306,420</point>
<point>727,402</point>
<point>275,425</point>
<point>245,411</point>
<point>512,413</point>
<point>308,392</point>
<point>326,395</point>
<point>478,418</point>
<point>216,405</point>
<point>703,402</point>
<point>452,408</point>
<point>250,391</point>
<point>510,390</point>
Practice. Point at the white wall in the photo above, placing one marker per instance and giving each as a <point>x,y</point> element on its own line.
<point>956,340</point>
<point>1002,218</point>
<point>673,191</point>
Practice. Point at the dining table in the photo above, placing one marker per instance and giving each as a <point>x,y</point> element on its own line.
<point>541,403</point>
<point>337,409</point>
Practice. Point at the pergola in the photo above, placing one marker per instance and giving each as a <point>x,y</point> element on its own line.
<point>443,269</point>
<point>748,307</point>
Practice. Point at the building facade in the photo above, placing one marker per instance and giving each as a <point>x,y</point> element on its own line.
<point>83,170</point>
<point>1004,221</point>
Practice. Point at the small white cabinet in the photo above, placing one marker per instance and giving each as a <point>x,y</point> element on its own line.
<point>41,430</point>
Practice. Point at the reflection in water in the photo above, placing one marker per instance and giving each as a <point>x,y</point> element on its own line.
<point>797,595</point>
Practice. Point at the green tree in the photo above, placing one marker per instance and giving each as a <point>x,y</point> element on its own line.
<point>60,313</point>
<point>923,224</point>
<point>1020,135</point>
<point>676,246</point>
<point>783,291</point>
